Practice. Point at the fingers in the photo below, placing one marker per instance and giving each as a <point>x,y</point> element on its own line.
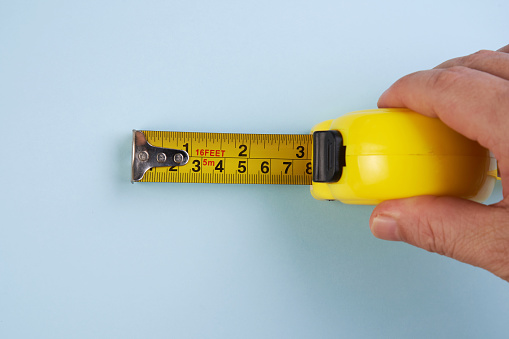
<point>495,63</point>
<point>471,95</point>
<point>474,103</point>
<point>460,229</point>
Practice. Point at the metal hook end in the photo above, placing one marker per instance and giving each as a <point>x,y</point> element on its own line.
<point>145,156</point>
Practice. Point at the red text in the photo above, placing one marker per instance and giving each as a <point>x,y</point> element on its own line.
<point>210,152</point>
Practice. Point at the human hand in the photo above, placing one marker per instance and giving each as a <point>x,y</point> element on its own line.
<point>471,95</point>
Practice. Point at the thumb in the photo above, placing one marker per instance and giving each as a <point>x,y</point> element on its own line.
<point>461,229</point>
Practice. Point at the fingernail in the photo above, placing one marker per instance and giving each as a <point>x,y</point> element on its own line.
<point>385,228</point>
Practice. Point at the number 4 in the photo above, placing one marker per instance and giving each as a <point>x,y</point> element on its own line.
<point>219,167</point>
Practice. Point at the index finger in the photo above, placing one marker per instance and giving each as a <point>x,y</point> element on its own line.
<point>474,103</point>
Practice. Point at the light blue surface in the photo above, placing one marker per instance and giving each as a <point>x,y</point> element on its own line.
<point>85,254</point>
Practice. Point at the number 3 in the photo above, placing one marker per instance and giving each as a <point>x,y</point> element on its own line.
<point>301,152</point>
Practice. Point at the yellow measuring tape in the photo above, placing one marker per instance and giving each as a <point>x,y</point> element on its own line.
<point>360,158</point>
<point>229,158</point>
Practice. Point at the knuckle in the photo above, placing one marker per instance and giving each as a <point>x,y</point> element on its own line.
<point>445,78</point>
<point>481,55</point>
<point>430,232</point>
<point>484,53</point>
<point>476,58</point>
<point>431,236</point>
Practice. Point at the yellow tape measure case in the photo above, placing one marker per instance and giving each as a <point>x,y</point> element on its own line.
<point>397,153</point>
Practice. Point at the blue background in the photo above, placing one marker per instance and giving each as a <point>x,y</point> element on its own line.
<point>86,254</point>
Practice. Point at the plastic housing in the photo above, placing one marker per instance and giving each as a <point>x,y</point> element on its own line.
<point>397,153</point>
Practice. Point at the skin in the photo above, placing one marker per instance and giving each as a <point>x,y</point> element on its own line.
<point>471,95</point>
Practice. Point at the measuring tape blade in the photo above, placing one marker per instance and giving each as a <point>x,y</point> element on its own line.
<point>226,158</point>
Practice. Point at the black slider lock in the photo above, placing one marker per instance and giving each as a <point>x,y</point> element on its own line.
<point>328,156</point>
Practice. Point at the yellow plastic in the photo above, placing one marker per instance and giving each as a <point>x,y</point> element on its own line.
<point>397,153</point>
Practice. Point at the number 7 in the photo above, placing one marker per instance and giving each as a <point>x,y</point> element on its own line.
<point>288,164</point>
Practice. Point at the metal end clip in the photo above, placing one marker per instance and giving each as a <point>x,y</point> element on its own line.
<point>145,156</point>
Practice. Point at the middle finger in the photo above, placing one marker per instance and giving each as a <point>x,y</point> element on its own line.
<point>495,63</point>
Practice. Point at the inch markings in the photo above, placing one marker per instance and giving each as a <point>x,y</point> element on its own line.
<point>235,158</point>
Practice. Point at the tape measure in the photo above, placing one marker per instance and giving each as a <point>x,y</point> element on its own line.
<point>364,157</point>
<point>226,158</point>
